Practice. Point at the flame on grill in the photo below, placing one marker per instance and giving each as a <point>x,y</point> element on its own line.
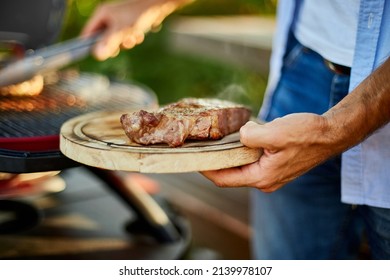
<point>41,103</point>
<point>40,94</point>
<point>31,87</point>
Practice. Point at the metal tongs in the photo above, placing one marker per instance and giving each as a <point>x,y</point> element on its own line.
<point>47,59</point>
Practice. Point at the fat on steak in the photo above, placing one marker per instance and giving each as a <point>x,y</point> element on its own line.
<point>189,118</point>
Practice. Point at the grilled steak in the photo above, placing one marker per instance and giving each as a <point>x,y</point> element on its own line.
<point>189,118</point>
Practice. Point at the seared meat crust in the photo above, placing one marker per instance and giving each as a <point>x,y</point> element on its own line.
<point>189,118</point>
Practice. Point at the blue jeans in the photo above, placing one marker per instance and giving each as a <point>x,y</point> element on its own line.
<point>306,219</point>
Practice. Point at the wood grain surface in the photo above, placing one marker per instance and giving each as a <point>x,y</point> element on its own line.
<point>97,139</point>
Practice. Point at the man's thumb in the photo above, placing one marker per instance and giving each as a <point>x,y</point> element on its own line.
<point>254,135</point>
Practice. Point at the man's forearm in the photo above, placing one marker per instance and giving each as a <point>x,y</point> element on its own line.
<point>364,110</point>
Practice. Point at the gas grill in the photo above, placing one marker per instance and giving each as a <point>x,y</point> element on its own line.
<point>29,141</point>
<point>30,126</point>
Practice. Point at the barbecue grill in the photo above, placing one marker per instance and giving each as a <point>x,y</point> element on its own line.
<point>30,126</point>
<point>29,141</point>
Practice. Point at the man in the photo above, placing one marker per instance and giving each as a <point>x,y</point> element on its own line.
<point>328,91</point>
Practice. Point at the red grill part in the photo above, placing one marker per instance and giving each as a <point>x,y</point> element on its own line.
<point>32,144</point>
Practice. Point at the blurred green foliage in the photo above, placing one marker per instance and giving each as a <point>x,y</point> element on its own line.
<point>171,75</point>
<point>230,7</point>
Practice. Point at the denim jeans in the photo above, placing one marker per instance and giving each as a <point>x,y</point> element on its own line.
<point>306,218</point>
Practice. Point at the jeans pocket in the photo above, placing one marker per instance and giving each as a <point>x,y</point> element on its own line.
<point>293,55</point>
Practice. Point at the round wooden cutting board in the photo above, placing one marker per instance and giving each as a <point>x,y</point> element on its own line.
<point>97,139</point>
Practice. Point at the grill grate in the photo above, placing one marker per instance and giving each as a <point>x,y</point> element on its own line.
<point>74,94</point>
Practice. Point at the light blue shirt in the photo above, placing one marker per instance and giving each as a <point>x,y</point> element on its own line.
<point>365,167</point>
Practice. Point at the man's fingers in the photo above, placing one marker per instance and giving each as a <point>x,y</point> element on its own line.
<point>245,175</point>
<point>254,135</point>
<point>225,177</point>
<point>114,39</point>
<point>129,42</point>
<point>139,37</point>
<point>131,38</point>
<point>96,22</point>
<point>108,46</point>
<point>250,175</point>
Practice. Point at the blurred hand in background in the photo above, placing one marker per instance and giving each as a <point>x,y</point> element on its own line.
<point>125,23</point>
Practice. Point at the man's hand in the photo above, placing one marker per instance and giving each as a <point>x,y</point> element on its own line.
<point>298,142</point>
<point>292,145</point>
<point>125,23</point>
